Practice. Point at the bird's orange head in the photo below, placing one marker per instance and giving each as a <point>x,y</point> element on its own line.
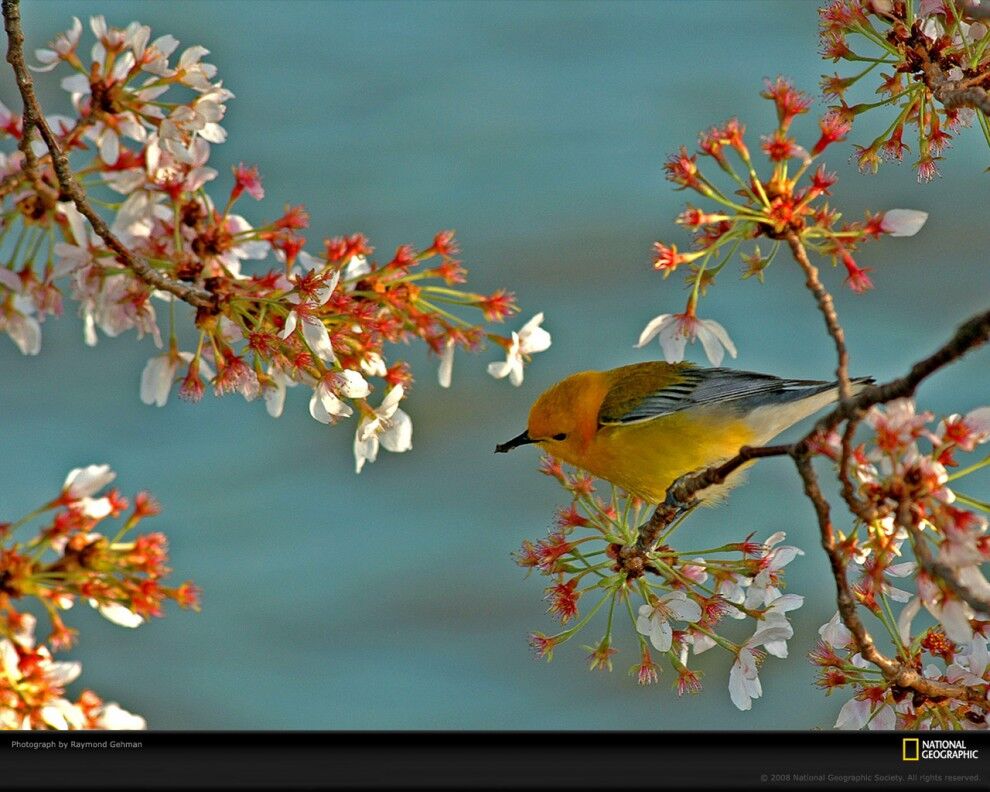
<point>564,419</point>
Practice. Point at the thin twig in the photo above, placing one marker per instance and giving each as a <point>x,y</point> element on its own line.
<point>34,119</point>
<point>827,307</point>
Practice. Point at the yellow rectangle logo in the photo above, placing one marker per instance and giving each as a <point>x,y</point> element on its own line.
<point>910,749</point>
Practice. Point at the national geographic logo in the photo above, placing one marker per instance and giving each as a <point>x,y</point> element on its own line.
<point>914,749</point>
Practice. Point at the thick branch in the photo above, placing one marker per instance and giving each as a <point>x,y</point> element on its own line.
<point>35,119</point>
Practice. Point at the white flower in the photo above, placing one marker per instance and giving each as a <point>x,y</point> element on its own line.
<point>653,619</point>
<point>744,680</point>
<point>763,589</point>
<point>63,45</point>
<point>903,222</point>
<point>313,329</point>
<point>325,405</point>
<point>675,330</point>
<point>952,613</point>
<point>446,364</point>
<point>390,426</point>
<point>774,615</point>
<point>83,482</point>
<point>530,339</point>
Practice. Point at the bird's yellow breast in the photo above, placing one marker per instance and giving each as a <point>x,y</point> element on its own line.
<point>643,459</point>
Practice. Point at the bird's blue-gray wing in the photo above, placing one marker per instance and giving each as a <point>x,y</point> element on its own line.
<point>697,387</point>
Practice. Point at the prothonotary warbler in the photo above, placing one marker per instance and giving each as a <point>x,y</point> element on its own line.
<point>645,425</point>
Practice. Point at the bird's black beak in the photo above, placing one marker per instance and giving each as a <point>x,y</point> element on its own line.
<point>515,442</point>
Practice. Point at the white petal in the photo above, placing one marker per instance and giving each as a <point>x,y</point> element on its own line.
<point>118,614</point>
<point>365,449</point>
<point>672,342</point>
<point>446,364</point>
<point>352,385</point>
<point>653,327</point>
<point>53,716</point>
<point>109,147</point>
<point>853,715</point>
<point>275,398</point>
<point>713,338</point>
<point>661,635</point>
<point>115,718</point>
<point>82,482</point>
<point>76,84</point>
<point>318,339</point>
<point>787,602</point>
<point>156,380</point>
<point>9,660</point>
<point>499,369</point>
<point>398,437</point>
<point>687,610</point>
<point>290,325</point>
<point>738,689</point>
<point>516,371</point>
<point>955,619</point>
<point>391,402</point>
<point>96,508</point>
<point>884,720</point>
<point>908,612</point>
<point>903,222</point>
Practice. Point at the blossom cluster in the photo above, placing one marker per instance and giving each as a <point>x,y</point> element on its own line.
<point>789,203</point>
<point>68,559</point>
<point>140,135</point>
<point>904,487</point>
<point>910,49</point>
<point>678,603</point>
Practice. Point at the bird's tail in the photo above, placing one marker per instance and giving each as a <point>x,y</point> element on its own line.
<point>794,403</point>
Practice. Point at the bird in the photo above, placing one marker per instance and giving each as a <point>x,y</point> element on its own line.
<point>643,426</point>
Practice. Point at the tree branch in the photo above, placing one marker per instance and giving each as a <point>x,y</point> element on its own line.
<point>897,673</point>
<point>944,572</point>
<point>682,494</point>
<point>35,119</point>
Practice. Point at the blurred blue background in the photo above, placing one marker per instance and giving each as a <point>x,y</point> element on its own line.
<point>537,131</point>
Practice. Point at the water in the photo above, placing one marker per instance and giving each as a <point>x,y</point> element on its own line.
<point>388,600</point>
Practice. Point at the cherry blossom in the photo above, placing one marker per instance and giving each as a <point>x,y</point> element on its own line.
<point>676,330</point>
<point>387,425</point>
<point>530,339</point>
<point>653,620</point>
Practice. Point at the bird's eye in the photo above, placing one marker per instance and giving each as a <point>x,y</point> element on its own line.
<point>560,436</point>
